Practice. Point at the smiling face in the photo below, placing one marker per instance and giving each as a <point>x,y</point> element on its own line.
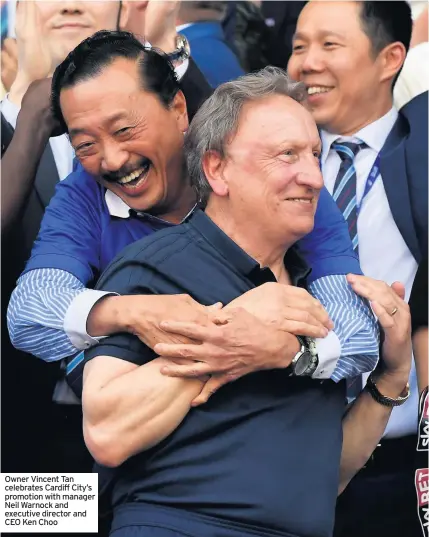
<point>348,87</point>
<point>127,139</point>
<point>66,23</point>
<point>271,172</point>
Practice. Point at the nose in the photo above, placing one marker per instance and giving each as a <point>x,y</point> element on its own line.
<point>114,157</point>
<point>68,6</point>
<point>311,60</point>
<point>310,174</point>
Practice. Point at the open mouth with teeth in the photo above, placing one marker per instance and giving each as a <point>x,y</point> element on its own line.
<point>318,90</point>
<point>307,201</point>
<point>136,178</point>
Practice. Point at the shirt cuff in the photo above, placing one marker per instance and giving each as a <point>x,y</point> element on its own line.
<point>329,352</point>
<point>10,111</point>
<point>76,318</point>
<point>181,69</point>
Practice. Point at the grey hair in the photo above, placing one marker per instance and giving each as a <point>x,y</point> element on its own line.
<point>216,121</point>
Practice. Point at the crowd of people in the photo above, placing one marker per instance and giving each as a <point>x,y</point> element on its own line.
<point>215,234</point>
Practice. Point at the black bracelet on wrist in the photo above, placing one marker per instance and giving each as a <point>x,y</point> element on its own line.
<point>371,388</point>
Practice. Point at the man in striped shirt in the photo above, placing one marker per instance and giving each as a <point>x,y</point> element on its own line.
<point>54,313</point>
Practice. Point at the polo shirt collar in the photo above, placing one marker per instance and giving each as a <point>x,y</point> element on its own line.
<point>119,209</point>
<point>236,256</point>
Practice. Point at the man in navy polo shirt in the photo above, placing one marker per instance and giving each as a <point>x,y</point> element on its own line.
<point>262,457</point>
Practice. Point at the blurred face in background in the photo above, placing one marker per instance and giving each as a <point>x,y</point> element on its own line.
<point>66,23</point>
<point>348,85</point>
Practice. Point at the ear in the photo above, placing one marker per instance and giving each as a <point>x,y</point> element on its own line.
<point>124,16</point>
<point>179,107</point>
<point>392,58</point>
<point>213,167</point>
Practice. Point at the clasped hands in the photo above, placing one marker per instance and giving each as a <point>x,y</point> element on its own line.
<point>219,344</point>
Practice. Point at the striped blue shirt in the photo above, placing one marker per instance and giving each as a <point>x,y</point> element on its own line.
<point>85,227</point>
<point>40,301</point>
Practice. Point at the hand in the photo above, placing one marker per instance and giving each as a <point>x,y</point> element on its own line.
<point>385,299</point>
<point>160,24</point>
<point>142,315</point>
<point>9,62</point>
<point>37,101</point>
<point>35,61</point>
<point>292,308</point>
<point>236,343</point>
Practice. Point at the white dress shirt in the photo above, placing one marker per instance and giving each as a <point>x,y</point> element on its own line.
<point>383,252</point>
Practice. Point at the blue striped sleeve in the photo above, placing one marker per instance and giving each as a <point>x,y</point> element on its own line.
<point>37,310</point>
<point>354,324</point>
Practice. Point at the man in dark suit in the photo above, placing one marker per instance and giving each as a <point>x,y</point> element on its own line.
<point>31,168</point>
<point>201,22</point>
<point>374,163</point>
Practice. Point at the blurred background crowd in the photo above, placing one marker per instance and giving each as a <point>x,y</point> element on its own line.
<point>226,39</point>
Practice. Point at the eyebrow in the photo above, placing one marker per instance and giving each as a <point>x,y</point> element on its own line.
<point>322,33</point>
<point>111,119</point>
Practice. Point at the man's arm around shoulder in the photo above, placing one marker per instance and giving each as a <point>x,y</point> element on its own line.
<point>129,408</point>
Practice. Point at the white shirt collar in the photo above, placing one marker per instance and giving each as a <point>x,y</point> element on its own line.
<point>374,134</point>
<point>117,207</point>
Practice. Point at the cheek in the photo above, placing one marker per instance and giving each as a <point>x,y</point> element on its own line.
<point>293,67</point>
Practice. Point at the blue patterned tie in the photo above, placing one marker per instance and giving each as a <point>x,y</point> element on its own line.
<point>345,196</point>
<point>345,186</point>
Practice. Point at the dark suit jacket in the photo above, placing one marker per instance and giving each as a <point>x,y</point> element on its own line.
<point>28,383</point>
<point>404,168</point>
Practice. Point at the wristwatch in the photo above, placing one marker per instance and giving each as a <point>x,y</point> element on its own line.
<point>306,360</point>
<point>183,49</point>
<point>371,388</point>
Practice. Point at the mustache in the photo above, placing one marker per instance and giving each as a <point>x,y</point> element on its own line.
<point>113,177</point>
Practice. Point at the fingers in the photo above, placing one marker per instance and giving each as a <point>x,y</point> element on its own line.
<point>215,307</point>
<point>193,370</point>
<point>211,387</point>
<point>399,289</point>
<point>385,319</point>
<point>375,290</point>
<point>10,49</point>
<point>188,351</point>
<point>190,330</point>
<point>304,329</point>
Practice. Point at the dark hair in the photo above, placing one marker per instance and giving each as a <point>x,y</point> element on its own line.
<point>89,58</point>
<point>385,23</point>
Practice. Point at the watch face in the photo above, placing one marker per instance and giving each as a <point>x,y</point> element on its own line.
<point>303,364</point>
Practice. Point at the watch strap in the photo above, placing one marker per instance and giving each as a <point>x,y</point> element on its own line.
<point>371,388</point>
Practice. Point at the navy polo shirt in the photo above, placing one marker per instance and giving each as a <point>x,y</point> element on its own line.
<point>264,451</point>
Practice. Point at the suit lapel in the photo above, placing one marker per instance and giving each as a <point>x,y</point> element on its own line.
<point>394,174</point>
<point>46,177</point>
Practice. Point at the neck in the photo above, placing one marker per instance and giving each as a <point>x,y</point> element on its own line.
<point>176,212</point>
<point>375,113</point>
<point>253,239</point>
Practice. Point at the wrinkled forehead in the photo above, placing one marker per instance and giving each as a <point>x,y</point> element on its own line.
<point>272,121</point>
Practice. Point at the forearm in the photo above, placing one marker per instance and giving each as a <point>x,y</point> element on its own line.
<point>20,162</point>
<point>364,425</point>
<point>134,412</point>
<point>37,310</point>
<point>420,347</point>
